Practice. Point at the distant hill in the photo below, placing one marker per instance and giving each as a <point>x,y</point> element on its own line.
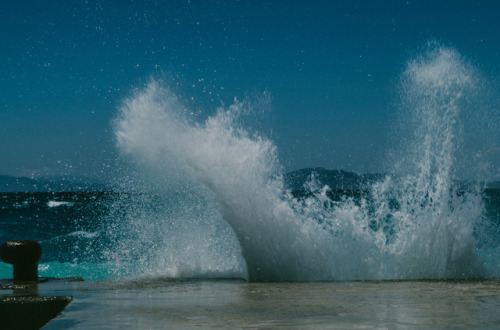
<point>339,179</point>
<point>295,180</point>
<point>13,184</point>
<point>335,179</point>
<point>494,185</point>
<point>60,184</point>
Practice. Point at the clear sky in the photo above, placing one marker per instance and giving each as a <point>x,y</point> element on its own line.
<point>331,68</point>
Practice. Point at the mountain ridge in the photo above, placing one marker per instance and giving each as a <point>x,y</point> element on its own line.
<point>341,179</point>
<point>295,180</point>
<point>57,184</point>
<point>335,179</point>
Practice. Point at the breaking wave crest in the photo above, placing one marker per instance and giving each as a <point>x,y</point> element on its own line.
<point>208,199</point>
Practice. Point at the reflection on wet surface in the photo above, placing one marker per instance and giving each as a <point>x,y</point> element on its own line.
<point>215,304</point>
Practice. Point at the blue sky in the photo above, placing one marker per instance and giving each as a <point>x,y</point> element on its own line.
<point>331,68</point>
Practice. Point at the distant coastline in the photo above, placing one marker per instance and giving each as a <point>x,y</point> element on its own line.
<point>58,184</point>
<point>343,180</point>
<point>335,179</point>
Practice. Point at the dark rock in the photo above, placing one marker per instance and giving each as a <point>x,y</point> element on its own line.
<point>30,312</point>
<point>24,256</point>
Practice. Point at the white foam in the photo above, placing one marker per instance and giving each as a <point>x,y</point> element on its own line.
<point>84,234</point>
<point>414,225</point>
<point>58,203</point>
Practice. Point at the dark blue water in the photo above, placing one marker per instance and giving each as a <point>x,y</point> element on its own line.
<point>67,225</point>
<point>208,198</point>
<point>76,233</point>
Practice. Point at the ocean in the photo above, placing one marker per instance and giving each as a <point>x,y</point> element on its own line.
<point>204,228</point>
<point>80,237</point>
<point>172,276</point>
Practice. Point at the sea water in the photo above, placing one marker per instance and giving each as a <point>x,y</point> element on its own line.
<point>203,227</point>
<point>425,219</point>
<point>207,198</point>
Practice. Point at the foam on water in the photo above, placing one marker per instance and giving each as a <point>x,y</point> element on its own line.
<point>58,203</point>
<point>210,199</point>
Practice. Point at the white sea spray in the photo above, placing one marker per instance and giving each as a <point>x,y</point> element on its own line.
<point>223,210</point>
